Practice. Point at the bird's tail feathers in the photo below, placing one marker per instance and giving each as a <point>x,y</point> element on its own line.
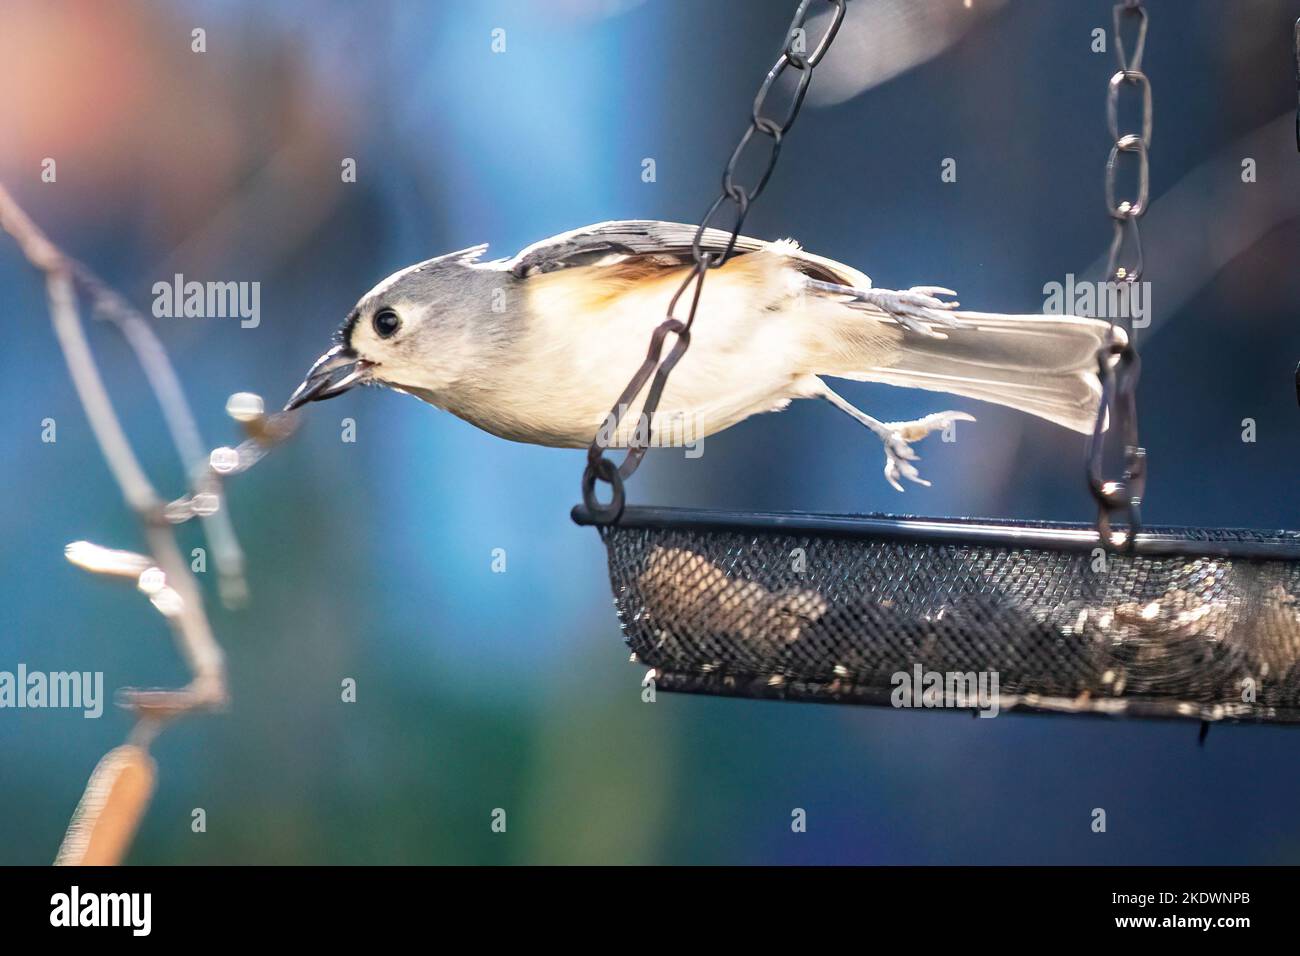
<point>1043,365</point>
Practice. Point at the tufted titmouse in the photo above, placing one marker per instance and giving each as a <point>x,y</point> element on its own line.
<point>537,347</point>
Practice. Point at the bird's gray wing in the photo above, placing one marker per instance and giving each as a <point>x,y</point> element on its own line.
<point>667,243</point>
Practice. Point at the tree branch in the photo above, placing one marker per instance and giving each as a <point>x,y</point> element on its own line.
<point>108,812</point>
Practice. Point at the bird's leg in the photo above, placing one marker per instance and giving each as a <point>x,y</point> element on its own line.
<point>915,309</point>
<point>898,436</point>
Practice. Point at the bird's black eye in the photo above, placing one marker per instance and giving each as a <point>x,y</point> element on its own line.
<point>386,322</point>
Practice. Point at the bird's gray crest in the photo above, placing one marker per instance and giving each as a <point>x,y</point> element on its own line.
<point>466,256</point>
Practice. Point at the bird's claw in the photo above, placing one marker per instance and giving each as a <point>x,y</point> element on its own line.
<point>898,450</point>
<point>931,291</point>
<point>915,431</point>
<point>918,309</point>
<point>898,462</point>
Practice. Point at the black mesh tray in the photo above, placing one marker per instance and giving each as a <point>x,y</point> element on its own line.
<point>1199,624</point>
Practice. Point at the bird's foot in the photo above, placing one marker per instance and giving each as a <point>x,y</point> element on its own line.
<point>898,449</point>
<point>917,309</point>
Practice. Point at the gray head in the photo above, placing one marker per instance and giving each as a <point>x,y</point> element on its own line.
<point>415,330</point>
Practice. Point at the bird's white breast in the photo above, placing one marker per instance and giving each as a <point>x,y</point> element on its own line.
<point>587,336</point>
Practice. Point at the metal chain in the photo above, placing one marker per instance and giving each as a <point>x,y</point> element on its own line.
<point>761,125</point>
<point>1118,364</point>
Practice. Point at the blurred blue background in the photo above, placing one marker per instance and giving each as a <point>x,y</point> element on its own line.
<point>373,560</point>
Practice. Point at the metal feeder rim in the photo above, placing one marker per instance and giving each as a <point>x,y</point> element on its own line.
<point>1247,544</point>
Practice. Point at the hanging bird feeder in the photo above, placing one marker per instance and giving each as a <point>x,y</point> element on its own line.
<point>1111,619</point>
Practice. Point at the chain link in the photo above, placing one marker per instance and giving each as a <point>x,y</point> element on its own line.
<point>1119,366</point>
<point>763,124</point>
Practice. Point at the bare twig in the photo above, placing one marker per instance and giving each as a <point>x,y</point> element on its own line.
<point>110,810</point>
<point>161,375</point>
<point>163,573</point>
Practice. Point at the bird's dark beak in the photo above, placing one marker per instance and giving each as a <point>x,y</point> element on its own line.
<point>333,374</point>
